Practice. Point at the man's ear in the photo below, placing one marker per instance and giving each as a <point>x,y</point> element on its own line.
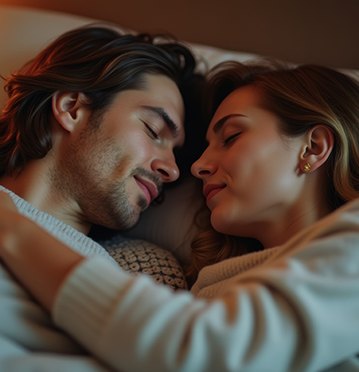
<point>319,145</point>
<point>68,109</point>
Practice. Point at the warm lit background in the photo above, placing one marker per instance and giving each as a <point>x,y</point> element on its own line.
<point>315,31</point>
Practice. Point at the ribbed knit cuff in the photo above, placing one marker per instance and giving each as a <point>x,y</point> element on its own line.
<point>86,297</point>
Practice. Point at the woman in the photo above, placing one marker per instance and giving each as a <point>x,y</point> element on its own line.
<point>309,109</point>
<point>280,173</point>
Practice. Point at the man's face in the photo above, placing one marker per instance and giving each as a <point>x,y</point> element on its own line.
<point>112,167</point>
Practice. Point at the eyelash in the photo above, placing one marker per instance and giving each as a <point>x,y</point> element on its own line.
<point>152,133</point>
<point>230,138</point>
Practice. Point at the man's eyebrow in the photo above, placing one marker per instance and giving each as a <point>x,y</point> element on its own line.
<point>219,124</point>
<point>173,127</point>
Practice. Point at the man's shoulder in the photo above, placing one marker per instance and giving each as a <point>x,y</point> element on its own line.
<point>57,228</point>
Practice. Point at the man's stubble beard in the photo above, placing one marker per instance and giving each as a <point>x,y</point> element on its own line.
<point>117,211</point>
<point>80,176</point>
<point>106,204</point>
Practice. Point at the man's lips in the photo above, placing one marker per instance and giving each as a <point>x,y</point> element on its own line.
<point>209,191</point>
<point>149,189</point>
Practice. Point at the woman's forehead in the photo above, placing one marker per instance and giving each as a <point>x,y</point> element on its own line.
<point>236,102</point>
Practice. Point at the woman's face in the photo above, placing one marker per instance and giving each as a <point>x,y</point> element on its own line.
<point>249,169</point>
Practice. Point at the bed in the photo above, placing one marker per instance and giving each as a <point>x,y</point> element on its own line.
<point>169,225</point>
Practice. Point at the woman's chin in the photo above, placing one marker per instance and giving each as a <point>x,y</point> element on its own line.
<point>218,224</point>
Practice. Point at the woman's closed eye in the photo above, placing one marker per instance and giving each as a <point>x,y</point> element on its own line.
<point>230,138</point>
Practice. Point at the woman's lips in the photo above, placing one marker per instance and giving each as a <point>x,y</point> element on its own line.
<point>210,191</point>
<point>213,193</point>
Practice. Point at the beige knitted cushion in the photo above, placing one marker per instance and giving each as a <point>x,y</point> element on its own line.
<point>139,256</point>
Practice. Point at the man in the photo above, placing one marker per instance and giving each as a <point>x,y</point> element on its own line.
<point>87,137</point>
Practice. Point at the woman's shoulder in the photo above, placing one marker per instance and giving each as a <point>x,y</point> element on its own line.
<point>336,236</point>
<point>346,216</point>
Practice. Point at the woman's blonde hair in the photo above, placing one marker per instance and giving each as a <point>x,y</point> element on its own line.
<point>302,97</point>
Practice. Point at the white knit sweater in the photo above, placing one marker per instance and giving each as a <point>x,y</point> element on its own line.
<point>28,338</point>
<point>290,308</point>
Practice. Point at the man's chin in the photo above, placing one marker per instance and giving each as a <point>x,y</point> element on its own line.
<point>126,218</point>
<point>131,220</point>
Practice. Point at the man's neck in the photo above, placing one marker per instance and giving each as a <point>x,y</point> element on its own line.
<point>33,185</point>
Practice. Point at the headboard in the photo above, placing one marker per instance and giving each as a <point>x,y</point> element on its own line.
<point>305,31</point>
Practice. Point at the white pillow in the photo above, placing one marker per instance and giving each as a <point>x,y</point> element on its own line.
<point>25,31</point>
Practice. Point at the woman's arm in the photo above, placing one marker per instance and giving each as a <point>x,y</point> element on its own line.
<point>298,312</point>
<point>37,259</point>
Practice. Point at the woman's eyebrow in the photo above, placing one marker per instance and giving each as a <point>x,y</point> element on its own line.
<point>219,124</point>
<point>159,111</point>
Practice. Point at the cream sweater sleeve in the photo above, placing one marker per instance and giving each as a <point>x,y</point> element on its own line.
<point>298,311</point>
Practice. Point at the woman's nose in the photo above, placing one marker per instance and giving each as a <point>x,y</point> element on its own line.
<point>202,168</point>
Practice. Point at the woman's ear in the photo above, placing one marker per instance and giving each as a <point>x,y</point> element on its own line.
<point>319,145</point>
<point>68,109</point>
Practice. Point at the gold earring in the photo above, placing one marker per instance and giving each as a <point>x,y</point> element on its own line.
<point>307,167</point>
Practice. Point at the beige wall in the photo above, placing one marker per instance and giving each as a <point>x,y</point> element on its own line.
<point>314,31</point>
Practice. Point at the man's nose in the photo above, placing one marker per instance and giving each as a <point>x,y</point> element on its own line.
<point>166,168</point>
